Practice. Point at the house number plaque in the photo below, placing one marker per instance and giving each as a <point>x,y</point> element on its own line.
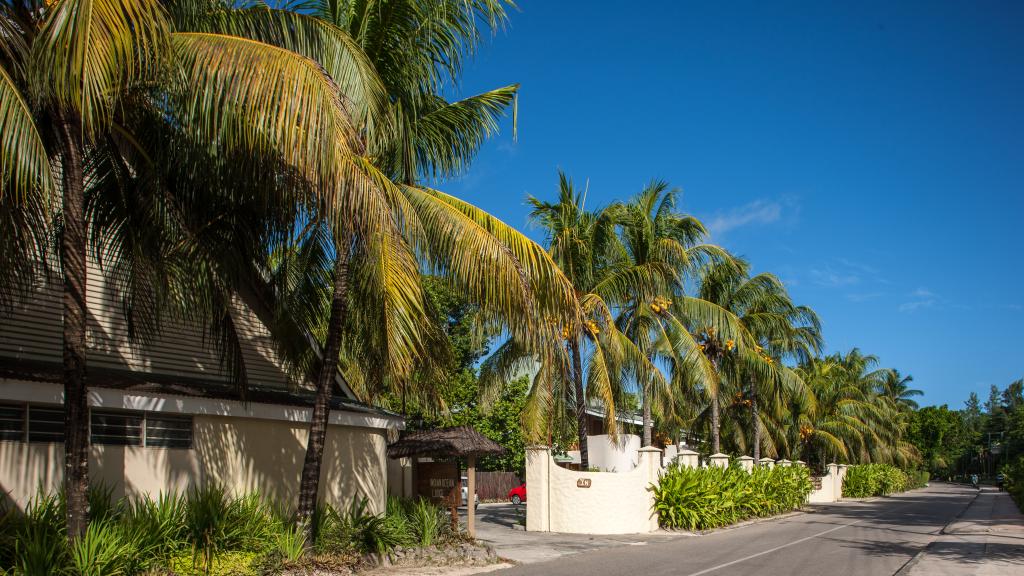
<point>583,483</point>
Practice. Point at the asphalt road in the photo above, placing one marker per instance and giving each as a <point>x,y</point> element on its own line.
<point>878,537</point>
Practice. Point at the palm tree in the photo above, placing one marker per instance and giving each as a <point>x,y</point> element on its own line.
<point>831,420</point>
<point>896,388</point>
<point>658,248</point>
<point>75,72</point>
<point>776,327</point>
<point>579,242</point>
<point>389,230</point>
<point>843,417</point>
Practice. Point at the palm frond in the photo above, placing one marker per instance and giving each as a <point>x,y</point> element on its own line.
<point>89,53</point>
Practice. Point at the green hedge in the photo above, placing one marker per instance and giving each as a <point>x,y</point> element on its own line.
<point>865,480</point>
<point>702,498</point>
<point>206,532</point>
<point>1014,480</point>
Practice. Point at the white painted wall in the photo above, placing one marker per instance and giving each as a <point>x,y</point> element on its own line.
<point>831,486</point>
<point>241,454</point>
<point>612,456</point>
<point>571,502</point>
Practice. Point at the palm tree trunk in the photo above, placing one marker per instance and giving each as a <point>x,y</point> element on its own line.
<point>309,484</point>
<point>716,419</point>
<point>73,264</point>
<point>754,421</point>
<point>646,400</point>
<point>581,405</point>
<point>716,444</point>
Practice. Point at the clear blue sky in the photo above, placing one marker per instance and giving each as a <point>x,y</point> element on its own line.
<point>871,154</point>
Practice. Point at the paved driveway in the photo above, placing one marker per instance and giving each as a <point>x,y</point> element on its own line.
<point>497,526</point>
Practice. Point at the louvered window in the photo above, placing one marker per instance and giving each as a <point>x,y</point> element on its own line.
<point>46,424</point>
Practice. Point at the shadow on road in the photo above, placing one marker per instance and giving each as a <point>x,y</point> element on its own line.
<point>505,515</point>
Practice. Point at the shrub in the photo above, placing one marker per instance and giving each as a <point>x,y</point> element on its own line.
<point>701,498</point>
<point>40,537</point>
<point>372,534</point>
<point>205,532</point>
<point>159,524</point>
<point>291,543</point>
<point>233,563</point>
<point>427,522</point>
<point>107,549</point>
<point>1014,480</point>
<point>865,480</point>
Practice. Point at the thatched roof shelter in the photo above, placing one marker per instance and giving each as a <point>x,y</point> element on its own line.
<point>457,441</point>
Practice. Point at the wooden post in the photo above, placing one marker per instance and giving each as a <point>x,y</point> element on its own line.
<point>453,499</point>
<point>471,496</point>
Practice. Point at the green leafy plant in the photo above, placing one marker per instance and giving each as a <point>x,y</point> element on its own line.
<point>427,522</point>
<point>865,480</point>
<point>1014,480</point>
<point>159,524</point>
<point>210,526</point>
<point>107,549</point>
<point>702,498</point>
<point>291,543</point>
<point>41,540</point>
<point>374,534</point>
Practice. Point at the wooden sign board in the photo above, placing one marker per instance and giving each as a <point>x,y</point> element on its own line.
<point>438,481</point>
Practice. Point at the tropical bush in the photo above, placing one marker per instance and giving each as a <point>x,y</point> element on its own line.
<point>205,532</point>
<point>701,498</point>
<point>1014,480</point>
<point>866,480</point>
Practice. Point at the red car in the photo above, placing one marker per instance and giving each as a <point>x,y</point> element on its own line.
<point>518,494</point>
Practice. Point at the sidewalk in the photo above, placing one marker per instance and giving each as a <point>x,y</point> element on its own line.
<point>991,513</point>
<point>986,540</point>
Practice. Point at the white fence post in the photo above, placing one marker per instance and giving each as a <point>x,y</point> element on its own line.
<point>688,458</point>
<point>767,462</point>
<point>746,462</point>
<point>784,463</point>
<point>719,459</point>
<point>650,463</point>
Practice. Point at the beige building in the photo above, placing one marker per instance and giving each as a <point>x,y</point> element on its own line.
<point>165,416</point>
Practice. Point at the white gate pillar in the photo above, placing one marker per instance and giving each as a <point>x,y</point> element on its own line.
<point>719,459</point>
<point>538,479</point>
<point>688,458</point>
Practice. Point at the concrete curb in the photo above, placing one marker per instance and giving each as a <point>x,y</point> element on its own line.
<point>958,516</point>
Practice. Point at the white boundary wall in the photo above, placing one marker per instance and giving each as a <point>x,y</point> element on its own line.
<point>831,486</point>
<point>572,502</point>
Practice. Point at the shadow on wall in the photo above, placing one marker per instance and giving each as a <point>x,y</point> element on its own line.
<point>27,469</point>
<point>243,455</point>
<point>248,455</point>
